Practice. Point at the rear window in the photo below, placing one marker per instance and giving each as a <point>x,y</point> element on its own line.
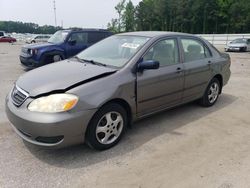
<point>194,50</point>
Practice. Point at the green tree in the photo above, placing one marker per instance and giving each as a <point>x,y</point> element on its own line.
<point>129,17</point>
<point>20,27</point>
<point>113,26</point>
<point>120,9</point>
<point>190,16</point>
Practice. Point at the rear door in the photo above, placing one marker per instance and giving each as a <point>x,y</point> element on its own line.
<point>95,37</point>
<point>197,67</point>
<point>160,88</point>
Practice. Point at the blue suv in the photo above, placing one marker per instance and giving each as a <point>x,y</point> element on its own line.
<point>62,45</point>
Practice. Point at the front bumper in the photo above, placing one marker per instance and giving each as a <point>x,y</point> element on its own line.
<point>28,62</point>
<point>48,129</point>
<point>235,49</point>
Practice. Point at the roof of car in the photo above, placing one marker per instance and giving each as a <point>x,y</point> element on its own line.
<point>85,29</point>
<point>154,33</point>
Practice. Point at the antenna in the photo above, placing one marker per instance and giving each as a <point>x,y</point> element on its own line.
<point>54,2</point>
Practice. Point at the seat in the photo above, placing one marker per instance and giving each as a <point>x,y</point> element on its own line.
<point>164,53</point>
<point>193,53</point>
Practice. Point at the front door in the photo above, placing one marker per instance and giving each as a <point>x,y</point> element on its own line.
<point>76,43</point>
<point>160,88</point>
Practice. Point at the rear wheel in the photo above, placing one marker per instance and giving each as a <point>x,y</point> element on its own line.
<point>211,94</point>
<point>106,127</point>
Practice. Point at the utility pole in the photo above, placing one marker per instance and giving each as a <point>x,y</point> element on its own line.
<point>54,2</point>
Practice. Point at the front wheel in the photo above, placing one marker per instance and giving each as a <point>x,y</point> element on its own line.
<point>211,94</point>
<point>243,49</point>
<point>106,127</point>
<point>57,58</point>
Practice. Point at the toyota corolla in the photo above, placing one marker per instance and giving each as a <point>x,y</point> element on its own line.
<point>94,96</point>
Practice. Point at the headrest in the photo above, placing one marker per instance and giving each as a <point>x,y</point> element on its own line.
<point>193,48</point>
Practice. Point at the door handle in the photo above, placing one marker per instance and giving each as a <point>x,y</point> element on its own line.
<point>179,70</point>
<point>209,62</point>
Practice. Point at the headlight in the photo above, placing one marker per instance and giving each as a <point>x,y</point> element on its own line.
<point>53,103</point>
<point>33,51</point>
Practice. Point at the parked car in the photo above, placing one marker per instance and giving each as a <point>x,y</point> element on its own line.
<point>2,33</point>
<point>240,45</point>
<point>62,45</point>
<point>7,39</point>
<point>96,95</point>
<point>38,39</point>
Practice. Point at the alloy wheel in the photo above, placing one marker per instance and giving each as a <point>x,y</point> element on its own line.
<point>109,128</point>
<point>213,92</point>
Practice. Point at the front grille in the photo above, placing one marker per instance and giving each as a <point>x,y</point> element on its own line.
<point>18,96</point>
<point>25,50</point>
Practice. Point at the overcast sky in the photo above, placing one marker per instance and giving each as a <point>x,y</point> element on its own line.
<point>78,13</point>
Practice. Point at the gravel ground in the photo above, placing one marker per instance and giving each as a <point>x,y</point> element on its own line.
<point>188,146</point>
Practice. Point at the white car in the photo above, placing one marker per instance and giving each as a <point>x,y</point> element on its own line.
<point>38,39</point>
<point>240,45</point>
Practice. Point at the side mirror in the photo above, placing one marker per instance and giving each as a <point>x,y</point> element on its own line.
<point>72,42</point>
<point>149,64</point>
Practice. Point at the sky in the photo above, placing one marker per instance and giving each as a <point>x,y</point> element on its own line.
<point>69,13</point>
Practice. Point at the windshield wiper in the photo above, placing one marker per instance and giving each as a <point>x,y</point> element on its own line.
<point>94,62</point>
<point>89,61</point>
<point>79,59</point>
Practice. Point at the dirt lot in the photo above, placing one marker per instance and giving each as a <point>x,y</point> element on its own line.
<point>189,146</point>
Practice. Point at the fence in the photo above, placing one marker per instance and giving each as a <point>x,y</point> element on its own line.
<point>221,40</point>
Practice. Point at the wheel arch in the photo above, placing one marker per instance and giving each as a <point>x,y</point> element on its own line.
<point>220,79</point>
<point>47,55</point>
<point>125,105</point>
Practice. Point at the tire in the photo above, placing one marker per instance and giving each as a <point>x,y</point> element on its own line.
<point>57,57</point>
<point>106,127</point>
<point>33,41</point>
<point>211,94</point>
<point>49,58</point>
<point>243,49</point>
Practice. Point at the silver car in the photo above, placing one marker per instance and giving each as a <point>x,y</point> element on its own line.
<point>38,39</point>
<point>94,96</point>
<point>240,45</point>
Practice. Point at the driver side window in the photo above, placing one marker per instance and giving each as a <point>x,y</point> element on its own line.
<point>80,38</point>
<point>165,51</point>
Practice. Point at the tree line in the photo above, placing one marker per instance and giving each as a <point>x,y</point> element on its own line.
<point>20,27</point>
<point>189,16</point>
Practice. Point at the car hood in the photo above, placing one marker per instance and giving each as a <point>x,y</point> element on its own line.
<point>237,45</point>
<point>60,77</point>
<point>40,45</point>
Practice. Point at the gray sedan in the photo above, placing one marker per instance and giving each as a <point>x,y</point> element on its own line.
<point>94,96</point>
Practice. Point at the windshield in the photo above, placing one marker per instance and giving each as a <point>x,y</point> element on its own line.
<point>114,51</point>
<point>239,41</point>
<point>58,37</point>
